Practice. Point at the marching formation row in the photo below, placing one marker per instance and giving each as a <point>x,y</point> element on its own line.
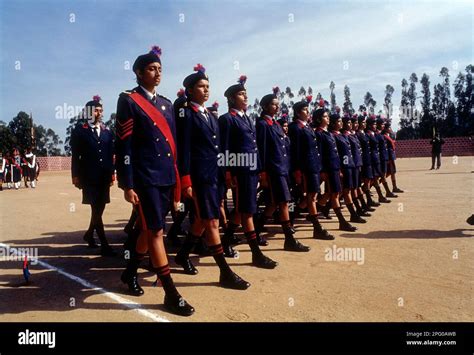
<point>185,158</point>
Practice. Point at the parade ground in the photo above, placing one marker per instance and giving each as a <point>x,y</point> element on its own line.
<point>412,261</point>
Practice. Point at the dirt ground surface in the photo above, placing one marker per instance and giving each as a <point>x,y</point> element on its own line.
<point>418,261</point>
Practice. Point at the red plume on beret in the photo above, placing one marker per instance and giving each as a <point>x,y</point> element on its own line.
<point>181,93</point>
<point>354,115</point>
<point>96,98</point>
<point>365,113</point>
<point>321,103</point>
<point>215,104</point>
<point>156,50</point>
<point>242,80</point>
<point>199,67</point>
<point>309,98</point>
<point>276,90</point>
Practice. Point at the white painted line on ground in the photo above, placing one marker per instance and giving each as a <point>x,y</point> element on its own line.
<point>127,303</point>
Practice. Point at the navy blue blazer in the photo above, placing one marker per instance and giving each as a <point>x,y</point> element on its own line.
<point>143,154</point>
<point>383,150</point>
<point>199,148</point>
<point>344,149</point>
<point>273,146</point>
<point>239,136</point>
<point>390,148</point>
<point>374,147</point>
<point>365,148</point>
<point>329,151</point>
<point>356,150</point>
<point>305,153</point>
<point>92,156</point>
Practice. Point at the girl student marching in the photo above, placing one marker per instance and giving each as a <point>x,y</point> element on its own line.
<point>201,177</point>
<point>147,172</point>
<point>274,151</point>
<point>306,163</point>
<point>239,138</point>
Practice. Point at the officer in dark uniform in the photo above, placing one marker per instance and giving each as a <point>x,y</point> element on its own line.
<point>375,157</point>
<point>147,172</point>
<point>92,169</point>
<point>306,163</point>
<point>331,167</point>
<point>239,137</point>
<point>357,193</point>
<point>274,150</point>
<point>201,175</point>
<point>384,157</point>
<point>437,144</point>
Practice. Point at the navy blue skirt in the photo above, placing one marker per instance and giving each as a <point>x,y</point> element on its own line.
<point>383,167</point>
<point>207,200</point>
<point>334,181</point>
<point>246,192</point>
<point>280,188</point>
<point>312,182</point>
<point>96,194</point>
<point>155,202</point>
<point>376,170</point>
<point>356,177</point>
<point>367,172</point>
<point>348,178</point>
<point>391,167</point>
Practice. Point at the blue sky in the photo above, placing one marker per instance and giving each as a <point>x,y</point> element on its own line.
<point>69,51</point>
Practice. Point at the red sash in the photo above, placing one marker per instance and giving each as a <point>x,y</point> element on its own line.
<point>160,123</point>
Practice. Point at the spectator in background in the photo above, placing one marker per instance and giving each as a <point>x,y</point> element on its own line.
<point>436,143</point>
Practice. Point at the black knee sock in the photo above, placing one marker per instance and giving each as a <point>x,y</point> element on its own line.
<point>357,205</point>
<point>351,209</point>
<point>315,221</point>
<point>218,253</point>
<point>379,191</point>
<point>164,274</point>
<point>339,215</point>
<point>188,245</point>
<point>362,202</point>
<point>252,240</point>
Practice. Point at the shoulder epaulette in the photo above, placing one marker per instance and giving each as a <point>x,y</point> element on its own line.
<point>164,97</point>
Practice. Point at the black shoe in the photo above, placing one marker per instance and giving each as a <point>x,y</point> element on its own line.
<point>364,213</point>
<point>384,200</point>
<point>263,262</point>
<point>262,241</point>
<point>392,195</point>
<point>229,252</point>
<point>396,189</point>
<point>132,282</point>
<point>358,219</point>
<point>322,234</point>
<point>186,264</point>
<point>324,210</point>
<point>89,238</point>
<point>294,245</point>
<point>233,281</point>
<point>346,226</point>
<point>107,251</point>
<point>368,209</point>
<point>374,204</point>
<point>178,305</point>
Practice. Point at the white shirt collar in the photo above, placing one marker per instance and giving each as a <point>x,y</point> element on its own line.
<point>201,109</point>
<point>304,123</point>
<point>147,93</point>
<point>240,113</point>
